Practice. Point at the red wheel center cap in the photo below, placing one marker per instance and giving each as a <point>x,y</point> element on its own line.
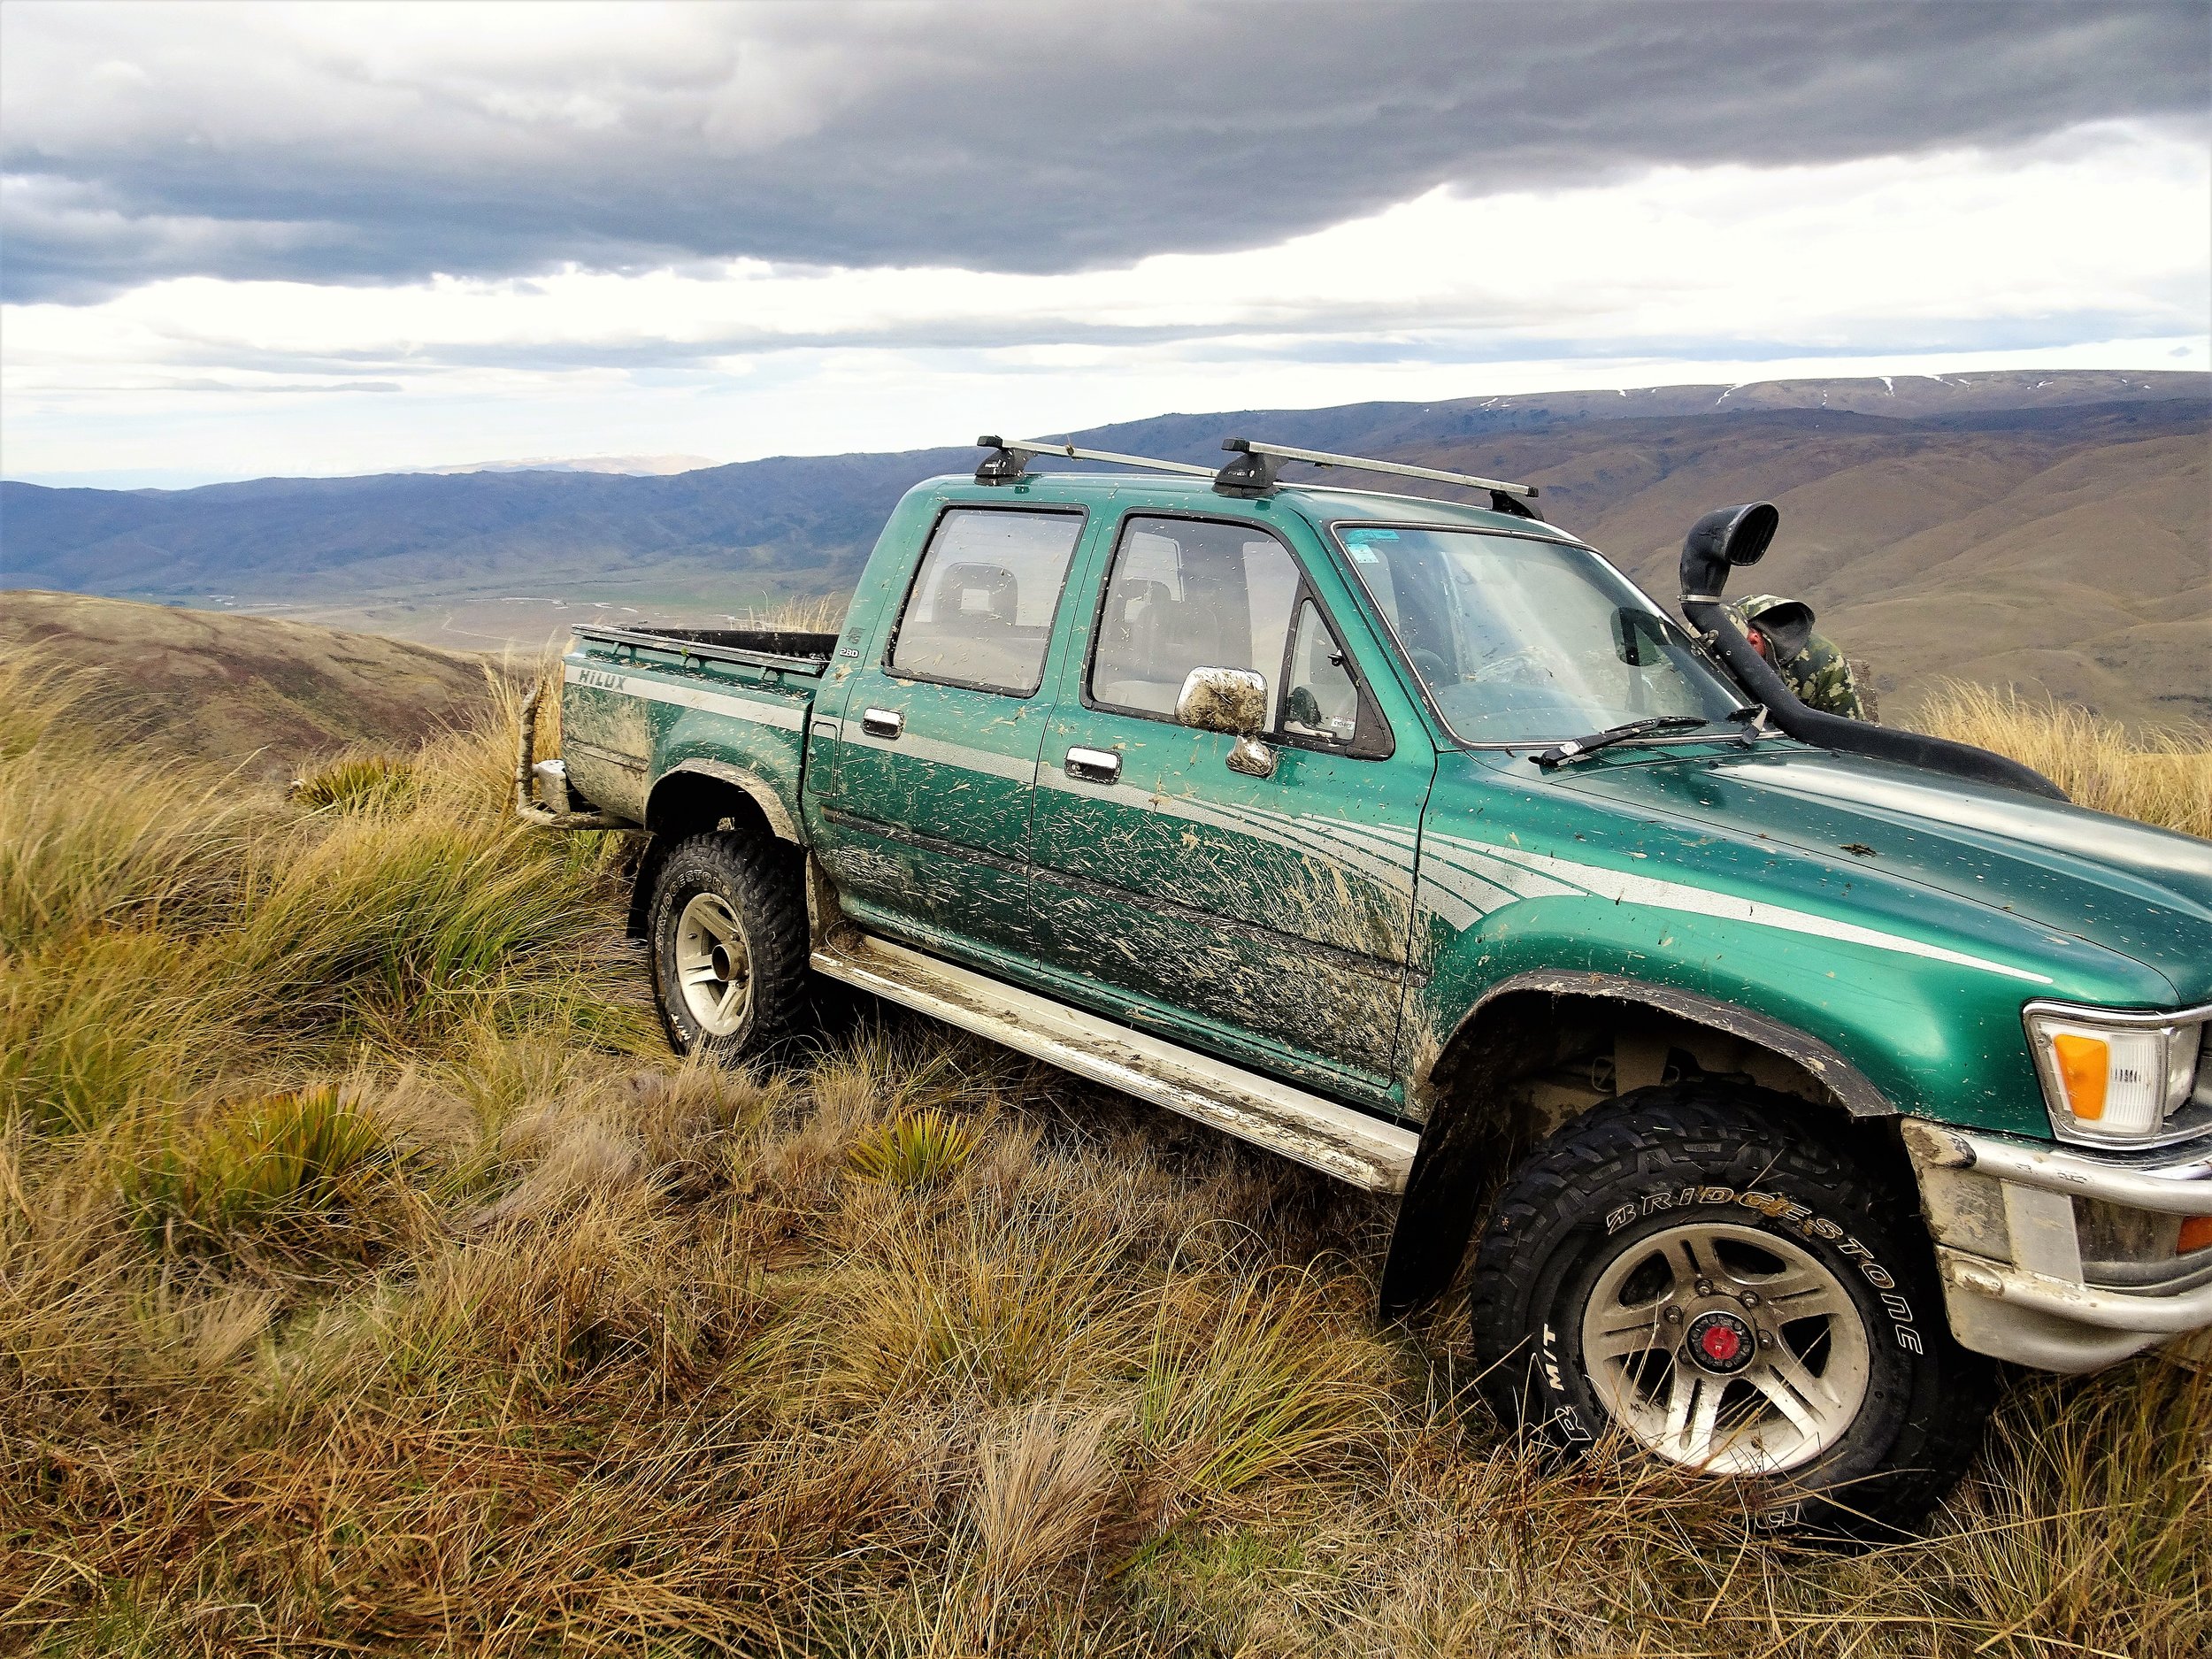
<point>1721,1341</point>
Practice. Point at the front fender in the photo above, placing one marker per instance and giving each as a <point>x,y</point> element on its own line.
<point>1510,1032</point>
<point>1898,1030</point>
<point>1917,990</point>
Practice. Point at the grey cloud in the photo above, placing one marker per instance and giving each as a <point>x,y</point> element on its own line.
<point>244,142</point>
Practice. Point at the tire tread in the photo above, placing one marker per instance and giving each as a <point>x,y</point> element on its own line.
<point>1736,1136</point>
<point>762,876</point>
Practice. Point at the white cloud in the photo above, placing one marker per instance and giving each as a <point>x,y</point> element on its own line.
<point>1950,260</point>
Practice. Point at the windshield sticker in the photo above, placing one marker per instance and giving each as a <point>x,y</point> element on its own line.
<point>1355,543</point>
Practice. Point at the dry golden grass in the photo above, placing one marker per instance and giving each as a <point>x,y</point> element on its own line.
<point>2161,777</point>
<point>370,1282</point>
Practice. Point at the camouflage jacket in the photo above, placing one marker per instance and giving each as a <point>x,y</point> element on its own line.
<point>1809,662</point>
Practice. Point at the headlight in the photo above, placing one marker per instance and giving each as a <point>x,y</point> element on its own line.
<point>2120,1078</point>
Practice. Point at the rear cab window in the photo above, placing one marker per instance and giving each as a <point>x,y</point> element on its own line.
<point>979,613</point>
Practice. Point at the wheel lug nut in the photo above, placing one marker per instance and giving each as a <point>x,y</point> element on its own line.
<point>1750,1299</point>
<point>1766,1339</point>
<point>1674,1316</point>
<point>1704,1286</point>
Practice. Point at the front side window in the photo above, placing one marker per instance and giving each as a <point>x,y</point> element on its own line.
<point>980,611</point>
<point>1524,641</point>
<point>1185,594</point>
<point>1323,700</point>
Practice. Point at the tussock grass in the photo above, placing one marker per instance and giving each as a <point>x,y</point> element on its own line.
<point>371,1281</point>
<point>356,783</point>
<point>803,613</point>
<point>258,1164</point>
<point>2161,777</point>
<point>913,1151</point>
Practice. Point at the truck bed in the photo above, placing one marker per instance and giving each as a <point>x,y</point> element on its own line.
<point>644,703</point>
<point>769,647</point>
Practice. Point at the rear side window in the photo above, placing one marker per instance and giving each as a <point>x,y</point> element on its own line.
<point>1185,594</point>
<point>980,611</point>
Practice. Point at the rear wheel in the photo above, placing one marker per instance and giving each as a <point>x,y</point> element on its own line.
<point>1694,1269</point>
<point>727,922</point>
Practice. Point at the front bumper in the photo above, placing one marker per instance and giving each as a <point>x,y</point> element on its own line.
<point>2010,1220</point>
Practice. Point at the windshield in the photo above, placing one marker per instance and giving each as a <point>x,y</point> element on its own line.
<point>1524,641</point>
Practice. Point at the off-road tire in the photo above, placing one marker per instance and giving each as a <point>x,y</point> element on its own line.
<point>757,882</point>
<point>1660,1170</point>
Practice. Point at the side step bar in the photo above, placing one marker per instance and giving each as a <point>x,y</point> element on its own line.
<point>1318,1133</point>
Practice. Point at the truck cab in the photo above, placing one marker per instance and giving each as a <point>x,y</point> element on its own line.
<point>1408,839</point>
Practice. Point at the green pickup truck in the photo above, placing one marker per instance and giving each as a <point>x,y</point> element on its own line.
<point>1795,1067</point>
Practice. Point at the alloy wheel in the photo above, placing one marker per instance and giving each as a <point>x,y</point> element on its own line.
<point>713,968</point>
<point>1725,1349</point>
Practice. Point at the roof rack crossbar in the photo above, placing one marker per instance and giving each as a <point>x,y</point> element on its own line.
<point>1247,474</point>
<point>1009,459</point>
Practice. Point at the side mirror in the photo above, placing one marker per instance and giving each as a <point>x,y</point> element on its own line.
<point>1232,701</point>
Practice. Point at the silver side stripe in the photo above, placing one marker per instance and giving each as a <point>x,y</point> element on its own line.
<point>784,716</point>
<point>1452,864</point>
<point>1624,889</point>
<point>1387,866</point>
<point>937,752</point>
<point>1485,866</point>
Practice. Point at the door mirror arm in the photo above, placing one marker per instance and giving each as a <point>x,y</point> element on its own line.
<point>1233,701</point>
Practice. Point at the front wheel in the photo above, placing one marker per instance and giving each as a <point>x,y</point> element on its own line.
<point>727,922</point>
<point>1692,1269</point>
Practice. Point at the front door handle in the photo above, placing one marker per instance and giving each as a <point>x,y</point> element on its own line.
<point>1093,765</point>
<point>886,723</point>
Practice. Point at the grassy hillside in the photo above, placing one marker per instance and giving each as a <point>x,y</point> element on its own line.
<point>245,691</point>
<point>2047,532</point>
<point>2063,553</point>
<point>372,1282</point>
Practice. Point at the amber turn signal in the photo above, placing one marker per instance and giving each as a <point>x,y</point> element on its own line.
<point>2084,1063</point>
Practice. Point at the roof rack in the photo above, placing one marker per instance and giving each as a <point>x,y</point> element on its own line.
<point>1010,458</point>
<point>1257,465</point>
<point>1253,472</point>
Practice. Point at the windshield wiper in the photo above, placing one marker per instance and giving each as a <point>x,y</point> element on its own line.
<point>1753,718</point>
<point>1576,748</point>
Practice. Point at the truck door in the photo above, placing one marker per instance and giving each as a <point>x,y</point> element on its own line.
<point>936,761</point>
<point>1270,916</point>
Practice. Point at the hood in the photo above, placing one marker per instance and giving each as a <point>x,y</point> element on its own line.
<point>2143,892</point>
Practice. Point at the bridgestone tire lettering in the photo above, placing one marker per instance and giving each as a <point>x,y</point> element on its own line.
<point>1726,1160</point>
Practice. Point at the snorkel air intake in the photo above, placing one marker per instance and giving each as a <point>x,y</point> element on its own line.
<point>1728,537</point>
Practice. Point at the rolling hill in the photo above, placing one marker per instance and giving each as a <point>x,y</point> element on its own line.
<point>2047,531</point>
<point>253,692</point>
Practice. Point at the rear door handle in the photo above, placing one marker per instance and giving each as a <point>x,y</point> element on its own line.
<point>882,722</point>
<point>1093,765</point>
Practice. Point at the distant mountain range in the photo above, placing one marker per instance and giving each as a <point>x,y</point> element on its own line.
<point>2048,530</point>
<point>631,466</point>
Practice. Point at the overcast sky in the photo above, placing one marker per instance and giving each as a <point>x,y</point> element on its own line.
<point>237,241</point>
